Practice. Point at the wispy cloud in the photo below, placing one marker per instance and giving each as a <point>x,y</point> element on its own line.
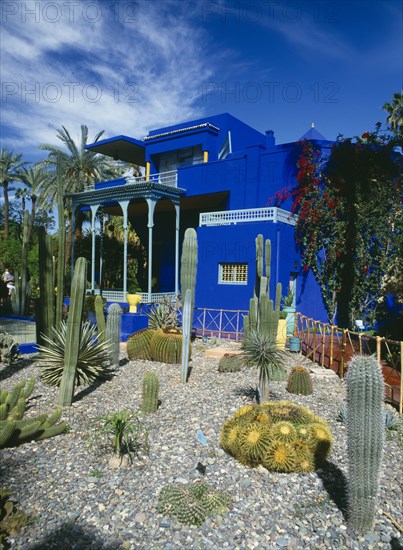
<point>124,72</point>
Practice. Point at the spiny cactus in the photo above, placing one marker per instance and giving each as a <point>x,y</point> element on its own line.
<point>166,346</point>
<point>230,362</point>
<point>299,381</point>
<point>139,344</point>
<point>192,504</point>
<point>188,286</point>
<point>150,389</point>
<point>61,257</point>
<point>113,324</point>
<point>14,429</point>
<point>164,315</point>
<point>22,292</point>
<point>73,333</point>
<point>365,438</point>
<point>99,314</point>
<point>281,436</point>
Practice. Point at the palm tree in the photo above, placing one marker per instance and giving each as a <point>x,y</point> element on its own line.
<point>10,164</point>
<point>81,168</point>
<point>395,110</point>
<point>33,178</point>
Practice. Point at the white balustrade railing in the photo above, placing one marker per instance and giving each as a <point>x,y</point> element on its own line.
<point>163,178</point>
<point>228,217</point>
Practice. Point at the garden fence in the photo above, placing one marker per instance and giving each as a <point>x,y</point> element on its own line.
<point>332,347</point>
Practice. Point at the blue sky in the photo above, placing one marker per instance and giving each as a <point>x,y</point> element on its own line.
<point>128,67</point>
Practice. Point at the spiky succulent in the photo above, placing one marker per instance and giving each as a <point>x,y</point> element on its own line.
<point>230,362</point>
<point>192,504</point>
<point>282,436</point>
<point>164,315</point>
<point>93,361</point>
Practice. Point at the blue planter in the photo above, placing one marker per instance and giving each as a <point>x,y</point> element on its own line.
<point>290,310</point>
<point>295,344</point>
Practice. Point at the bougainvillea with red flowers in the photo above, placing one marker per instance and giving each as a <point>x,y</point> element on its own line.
<point>349,221</point>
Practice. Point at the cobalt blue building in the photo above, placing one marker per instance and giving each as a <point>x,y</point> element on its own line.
<point>215,174</point>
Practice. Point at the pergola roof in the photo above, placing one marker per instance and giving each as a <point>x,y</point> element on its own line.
<point>121,148</point>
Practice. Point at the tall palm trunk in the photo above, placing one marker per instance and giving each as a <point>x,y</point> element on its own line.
<point>6,210</point>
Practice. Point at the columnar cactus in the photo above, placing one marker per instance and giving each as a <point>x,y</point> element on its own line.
<point>21,295</point>
<point>150,389</point>
<point>44,307</point>
<point>365,437</point>
<point>188,283</point>
<point>186,324</point>
<point>113,327</point>
<point>100,317</point>
<point>14,430</point>
<point>299,381</point>
<point>74,328</point>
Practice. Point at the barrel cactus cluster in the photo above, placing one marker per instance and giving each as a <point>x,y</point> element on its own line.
<point>281,436</point>
<point>192,504</point>
<point>164,345</point>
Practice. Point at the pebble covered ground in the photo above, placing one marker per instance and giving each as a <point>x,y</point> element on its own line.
<point>77,501</point>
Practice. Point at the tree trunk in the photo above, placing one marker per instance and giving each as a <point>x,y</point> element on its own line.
<point>32,220</point>
<point>6,210</point>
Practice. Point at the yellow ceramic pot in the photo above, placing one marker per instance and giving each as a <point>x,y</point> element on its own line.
<point>281,333</point>
<point>133,300</point>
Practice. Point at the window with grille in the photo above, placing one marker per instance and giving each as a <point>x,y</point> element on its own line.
<point>233,274</point>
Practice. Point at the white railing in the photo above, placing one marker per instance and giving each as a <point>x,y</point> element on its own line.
<point>228,217</point>
<point>163,178</point>
<point>119,296</point>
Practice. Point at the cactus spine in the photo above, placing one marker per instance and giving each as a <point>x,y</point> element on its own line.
<point>188,283</point>
<point>365,433</point>
<point>150,389</point>
<point>45,313</point>
<point>113,332</point>
<point>100,317</point>
<point>61,258</point>
<point>73,335</point>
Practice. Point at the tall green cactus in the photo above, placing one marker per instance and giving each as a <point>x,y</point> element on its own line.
<point>365,436</point>
<point>73,336</point>
<point>21,295</point>
<point>100,317</point>
<point>113,323</point>
<point>150,389</point>
<point>186,324</point>
<point>44,307</point>
<point>188,283</point>
<point>263,314</point>
<point>61,258</point>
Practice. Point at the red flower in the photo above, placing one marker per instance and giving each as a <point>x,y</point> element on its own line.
<point>306,267</point>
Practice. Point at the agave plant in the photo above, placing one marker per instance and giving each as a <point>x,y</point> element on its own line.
<point>261,351</point>
<point>164,315</point>
<point>93,361</point>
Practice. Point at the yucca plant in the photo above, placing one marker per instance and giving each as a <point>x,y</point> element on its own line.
<point>125,431</point>
<point>261,351</point>
<point>93,361</point>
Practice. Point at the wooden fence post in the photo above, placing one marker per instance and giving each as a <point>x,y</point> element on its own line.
<point>343,354</point>
<point>378,348</point>
<point>331,346</point>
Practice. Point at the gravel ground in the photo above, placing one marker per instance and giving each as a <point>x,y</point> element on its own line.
<point>77,501</point>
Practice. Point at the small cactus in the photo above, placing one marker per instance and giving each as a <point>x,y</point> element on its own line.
<point>230,362</point>
<point>192,504</point>
<point>365,437</point>
<point>299,381</point>
<point>113,323</point>
<point>99,314</point>
<point>150,389</point>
